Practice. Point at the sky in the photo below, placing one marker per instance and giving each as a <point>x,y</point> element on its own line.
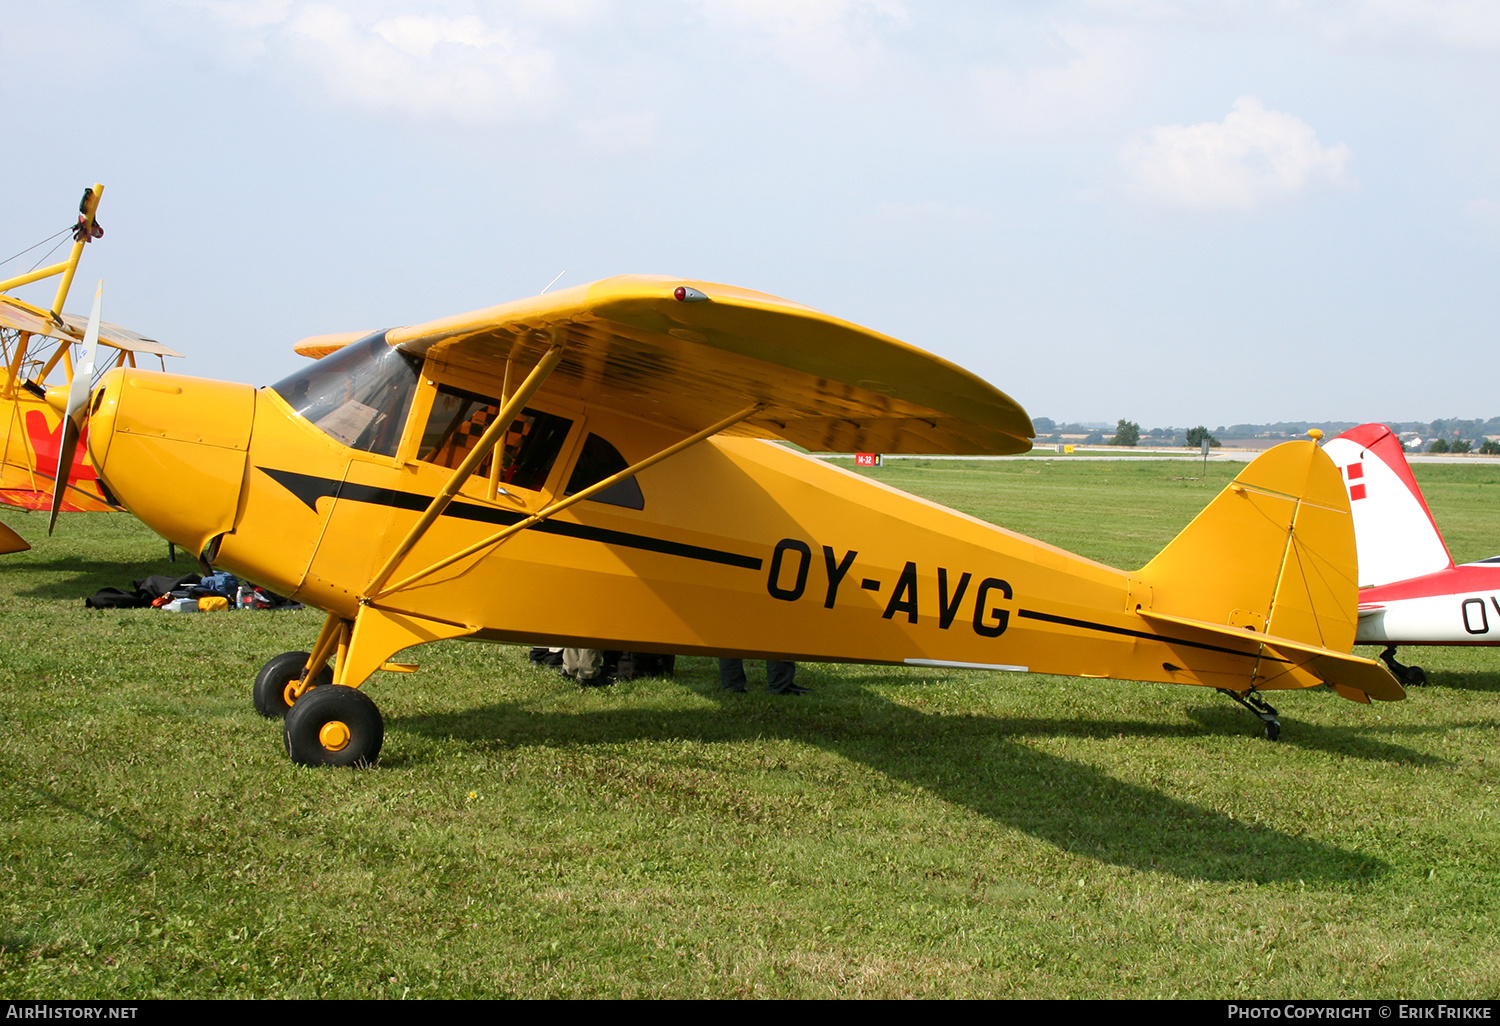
<point>1170,211</point>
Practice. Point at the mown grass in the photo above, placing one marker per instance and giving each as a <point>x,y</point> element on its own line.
<point>897,833</point>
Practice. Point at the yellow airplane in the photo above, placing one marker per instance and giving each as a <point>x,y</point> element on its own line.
<point>35,342</point>
<point>589,469</point>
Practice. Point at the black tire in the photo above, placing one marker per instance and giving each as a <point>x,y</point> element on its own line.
<point>270,683</point>
<point>1415,676</point>
<point>1273,729</point>
<point>361,736</point>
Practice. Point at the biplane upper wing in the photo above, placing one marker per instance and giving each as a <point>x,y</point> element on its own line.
<point>687,353</point>
<point>119,338</point>
<point>25,317</point>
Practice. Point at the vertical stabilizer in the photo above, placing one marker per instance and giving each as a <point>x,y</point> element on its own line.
<point>1273,553</point>
<point>1397,538</point>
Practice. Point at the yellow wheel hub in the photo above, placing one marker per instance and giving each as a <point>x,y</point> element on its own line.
<point>334,736</point>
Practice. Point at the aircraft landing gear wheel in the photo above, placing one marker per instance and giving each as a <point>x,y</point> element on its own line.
<point>334,725</point>
<point>1260,707</point>
<point>272,680</point>
<point>1411,676</point>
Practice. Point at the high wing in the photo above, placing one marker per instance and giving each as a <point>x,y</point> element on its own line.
<point>315,347</point>
<point>687,353</point>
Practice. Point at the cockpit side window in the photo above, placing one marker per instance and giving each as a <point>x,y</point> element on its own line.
<point>359,396</point>
<point>459,418</point>
<point>599,460</point>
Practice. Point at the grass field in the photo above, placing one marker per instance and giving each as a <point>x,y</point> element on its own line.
<point>895,834</point>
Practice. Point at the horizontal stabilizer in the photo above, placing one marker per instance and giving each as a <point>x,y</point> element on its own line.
<point>10,541</point>
<point>1367,677</point>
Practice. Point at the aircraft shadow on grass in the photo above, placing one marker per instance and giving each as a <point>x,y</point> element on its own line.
<point>978,763</point>
<point>1464,681</point>
<point>75,578</point>
<point>138,848</point>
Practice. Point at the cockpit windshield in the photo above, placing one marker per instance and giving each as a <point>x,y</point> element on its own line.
<point>359,396</point>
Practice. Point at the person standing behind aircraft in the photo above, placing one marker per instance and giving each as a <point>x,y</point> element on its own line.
<point>779,676</point>
<point>585,665</point>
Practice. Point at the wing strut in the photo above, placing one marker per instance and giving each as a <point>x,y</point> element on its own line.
<point>376,592</point>
<point>16,365</point>
<point>492,434</point>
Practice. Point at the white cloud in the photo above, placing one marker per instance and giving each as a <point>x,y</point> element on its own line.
<point>1462,24</point>
<point>1468,24</point>
<point>823,38</point>
<point>429,64</point>
<point>1093,71</point>
<point>1253,156</point>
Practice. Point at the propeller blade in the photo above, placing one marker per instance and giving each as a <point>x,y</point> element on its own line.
<point>78,401</point>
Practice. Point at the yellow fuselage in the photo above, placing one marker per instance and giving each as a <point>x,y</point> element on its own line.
<point>741,547</point>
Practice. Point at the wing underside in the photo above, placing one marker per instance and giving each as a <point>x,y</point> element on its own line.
<point>825,384</point>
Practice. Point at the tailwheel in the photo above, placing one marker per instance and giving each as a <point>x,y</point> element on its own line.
<point>1411,676</point>
<point>334,726</point>
<point>1260,707</point>
<point>272,691</point>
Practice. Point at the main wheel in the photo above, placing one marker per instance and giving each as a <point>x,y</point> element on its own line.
<point>334,726</point>
<point>272,680</point>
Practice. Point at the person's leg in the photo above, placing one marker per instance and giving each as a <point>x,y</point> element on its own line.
<point>591,667</point>
<point>779,677</point>
<point>732,674</point>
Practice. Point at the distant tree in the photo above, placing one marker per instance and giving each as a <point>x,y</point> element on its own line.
<point>1195,437</point>
<point>1044,425</point>
<point>1438,445</point>
<point>1489,447</point>
<point>1459,445</point>
<point>1127,432</point>
<point>1094,438</point>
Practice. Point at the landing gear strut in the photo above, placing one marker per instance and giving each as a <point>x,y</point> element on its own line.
<point>272,699</point>
<point>1260,707</point>
<point>1411,676</point>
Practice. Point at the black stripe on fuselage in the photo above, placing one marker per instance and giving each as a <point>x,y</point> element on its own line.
<point>310,489</point>
<point>1089,625</point>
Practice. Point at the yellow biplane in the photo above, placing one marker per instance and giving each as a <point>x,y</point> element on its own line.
<point>35,342</point>
<point>591,468</point>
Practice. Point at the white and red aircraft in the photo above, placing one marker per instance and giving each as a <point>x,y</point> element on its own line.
<point>1411,593</point>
